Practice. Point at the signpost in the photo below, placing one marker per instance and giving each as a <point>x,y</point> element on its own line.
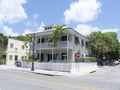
<point>77,55</point>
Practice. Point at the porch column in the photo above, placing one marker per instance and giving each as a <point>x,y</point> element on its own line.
<point>73,49</point>
<point>67,46</point>
<point>52,52</point>
<point>40,51</point>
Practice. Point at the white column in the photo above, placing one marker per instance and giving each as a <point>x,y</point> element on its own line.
<point>52,52</point>
<point>73,50</point>
<point>67,46</point>
<point>40,50</point>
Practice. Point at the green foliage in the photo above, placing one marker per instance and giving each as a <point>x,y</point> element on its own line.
<point>3,44</point>
<point>93,59</point>
<point>87,59</point>
<point>2,60</point>
<point>30,59</point>
<point>25,38</point>
<point>104,44</point>
<point>57,34</point>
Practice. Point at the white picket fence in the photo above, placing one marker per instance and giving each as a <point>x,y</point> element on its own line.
<point>69,67</point>
<point>48,66</point>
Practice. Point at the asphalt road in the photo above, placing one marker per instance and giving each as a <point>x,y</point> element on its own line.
<point>104,79</point>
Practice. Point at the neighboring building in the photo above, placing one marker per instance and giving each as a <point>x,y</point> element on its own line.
<point>72,46</point>
<point>16,50</point>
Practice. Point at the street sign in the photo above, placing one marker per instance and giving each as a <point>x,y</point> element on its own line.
<point>78,55</point>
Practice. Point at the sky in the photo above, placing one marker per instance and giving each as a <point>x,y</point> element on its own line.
<point>19,17</point>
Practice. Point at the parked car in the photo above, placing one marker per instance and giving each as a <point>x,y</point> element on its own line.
<point>18,63</point>
<point>115,63</point>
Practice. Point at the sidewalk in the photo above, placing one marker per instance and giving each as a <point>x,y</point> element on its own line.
<point>48,72</point>
<point>37,71</point>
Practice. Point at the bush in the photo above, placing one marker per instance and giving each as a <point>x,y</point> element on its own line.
<point>2,60</point>
<point>93,59</point>
<point>87,59</point>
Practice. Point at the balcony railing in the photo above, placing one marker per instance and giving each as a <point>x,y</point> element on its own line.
<point>62,44</point>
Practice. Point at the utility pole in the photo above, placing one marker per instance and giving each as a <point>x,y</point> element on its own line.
<point>33,41</point>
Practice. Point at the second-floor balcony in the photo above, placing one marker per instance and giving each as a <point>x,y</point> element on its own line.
<point>50,45</point>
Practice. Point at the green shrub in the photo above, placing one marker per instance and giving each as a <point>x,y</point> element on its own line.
<point>87,59</point>
<point>93,59</point>
<point>2,60</point>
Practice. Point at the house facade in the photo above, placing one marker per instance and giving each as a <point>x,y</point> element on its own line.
<point>71,47</point>
<point>16,50</point>
<point>66,55</point>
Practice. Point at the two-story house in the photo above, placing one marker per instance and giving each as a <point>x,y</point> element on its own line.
<point>64,56</point>
<point>16,50</point>
<point>71,47</point>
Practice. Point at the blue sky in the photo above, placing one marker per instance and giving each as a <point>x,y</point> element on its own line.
<point>18,17</point>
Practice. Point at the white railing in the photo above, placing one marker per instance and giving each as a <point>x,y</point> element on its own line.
<point>71,67</point>
<point>62,44</point>
<point>49,66</point>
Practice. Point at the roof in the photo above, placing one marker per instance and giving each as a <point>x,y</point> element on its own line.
<point>51,30</point>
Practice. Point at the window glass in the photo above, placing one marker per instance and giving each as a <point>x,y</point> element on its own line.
<point>11,45</point>
<point>76,40</point>
<point>10,57</point>
<point>64,38</point>
<point>16,57</point>
<point>22,47</point>
<point>82,42</point>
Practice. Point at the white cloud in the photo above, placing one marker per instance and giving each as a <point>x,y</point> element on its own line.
<point>12,11</point>
<point>82,11</point>
<point>27,31</point>
<point>35,16</point>
<point>8,31</point>
<point>110,30</point>
<point>28,23</point>
<point>87,29</point>
<point>40,28</point>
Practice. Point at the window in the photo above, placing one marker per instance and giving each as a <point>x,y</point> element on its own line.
<point>22,47</point>
<point>16,50</point>
<point>22,58</point>
<point>38,41</point>
<point>38,55</point>
<point>43,40</point>
<point>16,57</point>
<point>11,45</point>
<point>42,57</point>
<point>86,44</point>
<point>26,46</point>
<point>64,56</point>
<point>82,42</point>
<point>10,57</point>
<point>50,27</point>
<point>64,38</point>
<point>76,40</point>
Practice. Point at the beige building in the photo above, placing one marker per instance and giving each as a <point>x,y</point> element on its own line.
<point>16,50</point>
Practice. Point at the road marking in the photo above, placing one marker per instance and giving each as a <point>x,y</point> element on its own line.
<point>51,82</point>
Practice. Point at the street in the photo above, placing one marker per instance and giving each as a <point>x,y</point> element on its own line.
<point>103,79</point>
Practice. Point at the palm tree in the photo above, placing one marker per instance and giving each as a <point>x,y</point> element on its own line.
<point>99,47</point>
<point>3,42</point>
<point>3,47</point>
<point>57,34</point>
